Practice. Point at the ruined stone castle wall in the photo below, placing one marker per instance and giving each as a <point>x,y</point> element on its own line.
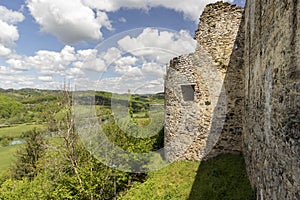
<point>272,103</point>
<point>217,30</point>
<point>254,107</point>
<point>187,109</point>
<point>194,127</point>
<point>231,63</point>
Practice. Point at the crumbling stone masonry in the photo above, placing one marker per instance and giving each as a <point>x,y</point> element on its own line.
<point>271,132</point>
<point>197,124</point>
<point>239,92</point>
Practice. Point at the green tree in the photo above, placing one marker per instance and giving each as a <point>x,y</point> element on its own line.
<point>4,142</point>
<point>27,157</point>
<point>9,107</point>
<point>74,172</point>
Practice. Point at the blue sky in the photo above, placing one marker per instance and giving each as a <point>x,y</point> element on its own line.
<point>43,42</point>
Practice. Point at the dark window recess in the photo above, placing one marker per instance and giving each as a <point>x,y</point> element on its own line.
<point>188,92</point>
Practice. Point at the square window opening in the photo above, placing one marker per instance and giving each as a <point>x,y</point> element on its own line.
<point>188,92</point>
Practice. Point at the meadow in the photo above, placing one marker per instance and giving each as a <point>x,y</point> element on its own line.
<point>18,131</point>
<point>7,156</point>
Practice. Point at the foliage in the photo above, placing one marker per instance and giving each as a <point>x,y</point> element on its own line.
<point>4,142</point>
<point>119,136</point>
<point>93,181</point>
<point>25,189</point>
<point>28,156</point>
<point>26,105</point>
<point>10,108</point>
<point>77,176</point>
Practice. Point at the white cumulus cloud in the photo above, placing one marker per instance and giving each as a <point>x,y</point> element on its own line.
<point>139,59</point>
<point>153,69</point>
<point>158,44</point>
<point>190,8</point>
<point>9,32</point>
<point>4,51</point>
<point>69,20</point>
<point>90,60</point>
<point>50,68</point>
<point>17,81</point>
<point>111,55</point>
<point>18,64</point>
<point>45,78</point>
<point>125,61</point>
<point>73,21</point>
<point>4,70</point>
<point>122,19</point>
<point>10,16</point>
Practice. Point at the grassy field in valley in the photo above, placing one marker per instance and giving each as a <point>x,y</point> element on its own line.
<point>7,156</point>
<point>18,130</point>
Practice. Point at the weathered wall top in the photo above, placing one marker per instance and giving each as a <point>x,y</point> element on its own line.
<point>193,122</point>
<point>217,31</point>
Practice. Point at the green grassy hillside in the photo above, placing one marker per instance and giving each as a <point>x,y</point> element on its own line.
<point>221,178</point>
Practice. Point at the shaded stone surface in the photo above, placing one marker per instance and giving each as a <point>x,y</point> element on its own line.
<point>271,122</point>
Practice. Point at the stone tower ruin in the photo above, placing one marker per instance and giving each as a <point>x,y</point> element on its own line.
<point>200,106</point>
<point>239,93</point>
